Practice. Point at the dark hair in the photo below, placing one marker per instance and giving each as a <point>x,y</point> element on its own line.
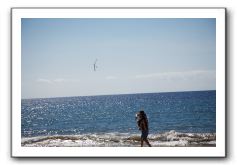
<point>143,114</point>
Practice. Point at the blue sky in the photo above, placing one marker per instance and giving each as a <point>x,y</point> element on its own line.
<point>134,56</point>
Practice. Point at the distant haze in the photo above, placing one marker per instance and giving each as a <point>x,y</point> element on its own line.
<point>134,56</point>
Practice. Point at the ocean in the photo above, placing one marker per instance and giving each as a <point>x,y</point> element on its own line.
<point>175,119</point>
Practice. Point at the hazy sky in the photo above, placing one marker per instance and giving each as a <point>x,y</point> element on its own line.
<point>134,56</point>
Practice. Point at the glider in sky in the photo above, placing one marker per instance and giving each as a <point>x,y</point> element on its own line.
<point>95,66</point>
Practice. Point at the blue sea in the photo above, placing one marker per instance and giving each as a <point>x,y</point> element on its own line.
<point>175,119</point>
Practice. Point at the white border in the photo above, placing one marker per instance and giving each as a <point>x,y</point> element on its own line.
<point>218,151</point>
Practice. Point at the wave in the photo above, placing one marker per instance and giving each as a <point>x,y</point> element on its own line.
<point>166,139</point>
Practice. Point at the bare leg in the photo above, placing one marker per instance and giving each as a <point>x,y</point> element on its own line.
<point>147,142</point>
<point>141,142</point>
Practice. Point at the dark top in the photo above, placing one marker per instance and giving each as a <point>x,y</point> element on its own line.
<point>143,123</point>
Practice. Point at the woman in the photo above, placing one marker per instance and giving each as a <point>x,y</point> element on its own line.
<point>142,123</point>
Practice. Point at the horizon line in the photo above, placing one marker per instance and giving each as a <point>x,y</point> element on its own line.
<point>115,94</point>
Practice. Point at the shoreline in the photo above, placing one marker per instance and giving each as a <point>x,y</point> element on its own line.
<point>167,139</point>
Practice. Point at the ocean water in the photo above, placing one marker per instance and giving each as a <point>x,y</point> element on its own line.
<point>175,119</point>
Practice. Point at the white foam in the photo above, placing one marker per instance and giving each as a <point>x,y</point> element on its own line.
<point>181,143</point>
<point>167,139</point>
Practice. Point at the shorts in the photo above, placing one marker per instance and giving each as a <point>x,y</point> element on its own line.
<point>144,134</point>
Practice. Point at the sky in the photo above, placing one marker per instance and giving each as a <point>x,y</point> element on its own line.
<point>133,55</point>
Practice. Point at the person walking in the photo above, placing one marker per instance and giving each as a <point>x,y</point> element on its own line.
<point>142,123</point>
